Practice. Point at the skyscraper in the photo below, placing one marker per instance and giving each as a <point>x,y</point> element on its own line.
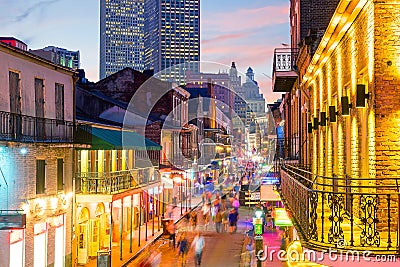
<point>121,35</point>
<point>172,36</point>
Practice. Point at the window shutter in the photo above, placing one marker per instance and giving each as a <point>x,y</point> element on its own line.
<point>60,174</point>
<point>40,176</point>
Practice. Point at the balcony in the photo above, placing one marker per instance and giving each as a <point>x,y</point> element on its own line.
<point>356,214</point>
<point>22,128</point>
<point>114,182</point>
<point>284,73</point>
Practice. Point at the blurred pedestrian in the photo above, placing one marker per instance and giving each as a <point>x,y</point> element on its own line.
<point>193,220</point>
<point>233,218</point>
<point>225,220</point>
<point>171,230</point>
<point>218,221</point>
<point>198,244</point>
<point>183,248</point>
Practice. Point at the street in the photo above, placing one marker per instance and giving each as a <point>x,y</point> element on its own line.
<point>221,249</point>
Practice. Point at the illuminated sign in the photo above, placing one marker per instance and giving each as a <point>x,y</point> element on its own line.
<point>258,229</point>
<point>282,218</point>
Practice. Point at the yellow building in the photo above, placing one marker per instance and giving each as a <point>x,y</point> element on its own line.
<point>118,188</point>
<point>348,198</point>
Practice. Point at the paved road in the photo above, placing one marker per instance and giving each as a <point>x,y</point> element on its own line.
<point>221,249</point>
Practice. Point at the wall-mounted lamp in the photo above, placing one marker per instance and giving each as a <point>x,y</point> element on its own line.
<point>309,127</point>
<point>322,118</point>
<point>361,96</point>
<point>346,106</point>
<point>332,114</point>
<point>315,124</point>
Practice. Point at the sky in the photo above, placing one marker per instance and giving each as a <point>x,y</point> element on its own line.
<point>231,30</point>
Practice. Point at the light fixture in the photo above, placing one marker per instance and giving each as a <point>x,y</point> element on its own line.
<point>332,114</point>
<point>346,106</point>
<point>309,127</point>
<point>315,123</point>
<point>322,118</point>
<point>23,151</point>
<point>361,96</point>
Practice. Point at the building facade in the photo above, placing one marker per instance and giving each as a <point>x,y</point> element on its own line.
<point>121,36</point>
<point>60,56</point>
<point>172,37</point>
<point>36,154</point>
<point>118,189</point>
<point>353,83</point>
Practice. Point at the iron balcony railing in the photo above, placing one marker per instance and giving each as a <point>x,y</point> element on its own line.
<point>349,214</point>
<point>285,59</point>
<point>114,182</point>
<point>22,128</point>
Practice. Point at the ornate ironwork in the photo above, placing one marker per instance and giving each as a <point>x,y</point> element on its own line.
<point>351,213</point>
<point>369,209</point>
<point>335,202</point>
<point>312,223</point>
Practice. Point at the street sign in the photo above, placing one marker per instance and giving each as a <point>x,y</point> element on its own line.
<point>255,196</point>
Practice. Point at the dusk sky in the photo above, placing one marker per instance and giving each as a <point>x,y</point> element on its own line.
<point>231,30</point>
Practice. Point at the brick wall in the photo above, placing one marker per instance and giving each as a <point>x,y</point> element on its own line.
<point>20,172</point>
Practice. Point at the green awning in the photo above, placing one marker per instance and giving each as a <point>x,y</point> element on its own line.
<point>116,139</point>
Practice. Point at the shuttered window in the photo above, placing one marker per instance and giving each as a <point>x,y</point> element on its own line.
<point>40,176</point>
<point>60,174</point>
<point>59,101</point>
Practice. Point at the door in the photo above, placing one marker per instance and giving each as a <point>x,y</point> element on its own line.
<point>83,243</point>
<point>94,237</point>
<point>39,109</point>
<point>15,120</point>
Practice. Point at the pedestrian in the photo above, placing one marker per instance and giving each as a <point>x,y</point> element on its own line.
<point>218,221</point>
<point>233,218</point>
<point>198,244</point>
<point>193,220</point>
<point>225,221</point>
<point>171,230</point>
<point>183,248</point>
<point>203,197</point>
<point>273,218</point>
<point>236,204</point>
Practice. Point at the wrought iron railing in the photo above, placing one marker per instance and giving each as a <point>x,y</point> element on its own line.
<point>114,182</point>
<point>343,213</point>
<point>22,128</point>
<point>285,59</point>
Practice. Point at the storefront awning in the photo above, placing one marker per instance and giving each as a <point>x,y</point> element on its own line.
<point>117,139</point>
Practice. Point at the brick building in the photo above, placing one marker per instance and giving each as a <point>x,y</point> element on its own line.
<point>351,188</point>
<point>37,128</point>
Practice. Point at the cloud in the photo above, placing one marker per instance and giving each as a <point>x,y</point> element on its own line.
<point>246,19</point>
<point>31,9</point>
<point>224,37</point>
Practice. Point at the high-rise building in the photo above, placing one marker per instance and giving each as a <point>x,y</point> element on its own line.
<point>172,36</point>
<point>121,35</point>
<point>60,56</point>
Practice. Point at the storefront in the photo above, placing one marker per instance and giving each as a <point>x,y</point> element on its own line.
<point>40,244</point>
<point>59,240</point>
<point>17,247</point>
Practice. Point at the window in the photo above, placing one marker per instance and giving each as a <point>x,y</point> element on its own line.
<point>60,174</point>
<point>40,176</point>
<point>59,101</point>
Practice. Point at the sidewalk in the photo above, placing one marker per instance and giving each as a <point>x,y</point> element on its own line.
<point>145,240</point>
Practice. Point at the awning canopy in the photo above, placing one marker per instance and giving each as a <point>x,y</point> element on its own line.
<point>117,139</point>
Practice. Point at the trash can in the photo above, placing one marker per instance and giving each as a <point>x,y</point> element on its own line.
<point>104,258</point>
